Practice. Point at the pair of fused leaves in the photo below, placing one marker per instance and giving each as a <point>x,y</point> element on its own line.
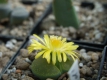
<point>43,70</point>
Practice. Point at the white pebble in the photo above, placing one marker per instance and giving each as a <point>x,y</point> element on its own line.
<point>14,69</point>
<point>51,17</point>
<point>9,71</point>
<point>85,56</point>
<point>82,25</point>
<point>14,79</point>
<point>52,28</point>
<point>28,60</point>
<point>98,36</point>
<point>82,51</point>
<point>31,23</point>
<point>22,76</point>
<point>14,41</point>
<point>80,64</point>
<point>96,32</point>
<point>98,7</point>
<point>9,45</point>
<point>77,8</point>
<point>89,18</point>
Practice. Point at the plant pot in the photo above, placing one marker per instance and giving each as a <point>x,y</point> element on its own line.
<point>22,30</point>
<point>48,26</point>
<point>103,67</point>
<point>18,70</point>
<point>29,1</point>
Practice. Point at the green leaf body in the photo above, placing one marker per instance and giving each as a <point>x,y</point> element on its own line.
<point>65,13</point>
<point>18,15</point>
<point>65,66</point>
<point>5,10</point>
<point>3,1</point>
<point>43,70</point>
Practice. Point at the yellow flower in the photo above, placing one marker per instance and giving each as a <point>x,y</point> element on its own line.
<point>53,48</point>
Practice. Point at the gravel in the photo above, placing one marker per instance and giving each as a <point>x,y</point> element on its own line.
<point>92,27</point>
<point>20,69</point>
<point>7,50</point>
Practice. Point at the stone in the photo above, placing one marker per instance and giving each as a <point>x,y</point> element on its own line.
<point>28,60</point>
<point>18,43</point>
<point>39,8</point>
<point>98,36</point>
<point>83,70</point>
<point>24,53</point>
<point>8,54</point>
<point>89,71</point>
<point>5,76</point>
<point>96,71</point>
<point>89,63</point>
<point>95,57</point>
<point>9,45</point>
<point>77,8</point>
<point>47,23</point>
<point>49,79</point>
<point>95,65</point>
<point>5,60</point>
<point>82,79</point>
<point>103,78</point>
<point>27,78</point>
<point>14,41</point>
<point>82,50</point>
<point>85,56</point>
<point>72,29</point>
<point>3,48</point>
<point>15,48</point>
<point>22,64</point>
<point>14,69</point>
<point>80,64</point>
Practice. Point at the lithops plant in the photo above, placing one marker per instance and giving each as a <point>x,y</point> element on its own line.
<point>5,9</point>
<point>65,13</point>
<point>18,15</point>
<point>54,58</point>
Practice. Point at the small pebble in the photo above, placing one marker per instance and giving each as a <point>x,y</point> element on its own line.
<point>95,57</point>
<point>9,45</point>
<point>82,51</point>
<point>28,60</point>
<point>80,64</point>
<point>1,54</point>
<point>14,69</point>
<point>18,71</point>
<point>14,41</point>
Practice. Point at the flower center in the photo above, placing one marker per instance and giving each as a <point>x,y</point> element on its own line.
<point>56,43</point>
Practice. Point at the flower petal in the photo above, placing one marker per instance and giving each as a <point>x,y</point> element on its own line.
<point>60,38</point>
<point>72,57</point>
<point>73,54</point>
<point>39,54</point>
<point>39,38</point>
<point>54,57</point>
<point>59,56</point>
<point>64,57</point>
<point>47,55</point>
<point>47,40</point>
<point>64,40</point>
